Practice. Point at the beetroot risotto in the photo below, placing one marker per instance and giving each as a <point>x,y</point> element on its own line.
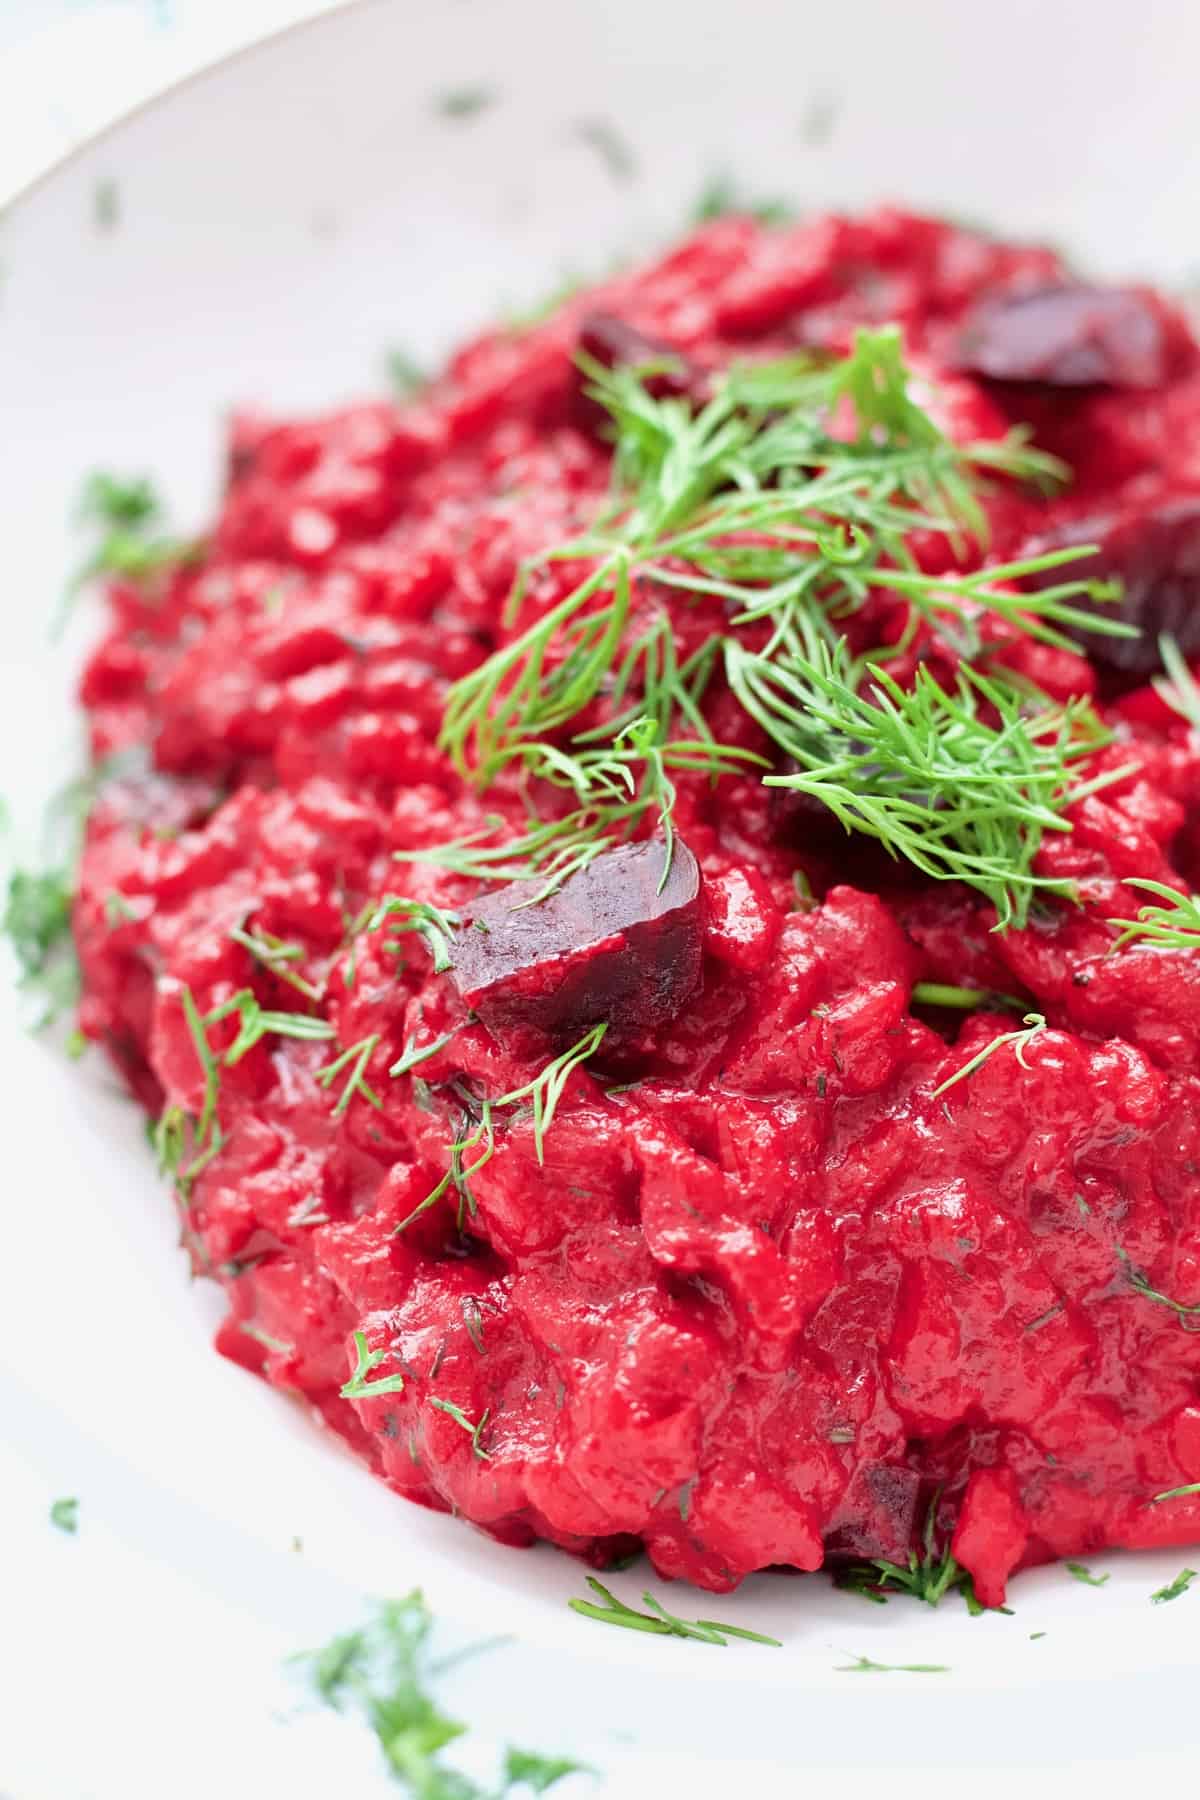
<point>654,911</point>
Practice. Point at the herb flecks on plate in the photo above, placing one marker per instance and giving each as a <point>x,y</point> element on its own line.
<point>1080,1572</point>
<point>385,1673</point>
<point>866,1665</point>
<point>658,1622</point>
<point>1175,1588</point>
<point>64,1514</point>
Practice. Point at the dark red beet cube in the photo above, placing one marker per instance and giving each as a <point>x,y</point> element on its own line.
<point>1070,336</point>
<point>608,945</point>
<point>1155,554</point>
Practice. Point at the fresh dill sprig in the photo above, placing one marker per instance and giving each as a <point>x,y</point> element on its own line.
<point>659,1622</point>
<point>385,1672</point>
<point>613,803</point>
<point>1173,926</point>
<point>790,497</point>
<point>751,499</point>
<point>924,770</point>
<point>358,1387</point>
<point>1035,1024</point>
<point>1177,1493</point>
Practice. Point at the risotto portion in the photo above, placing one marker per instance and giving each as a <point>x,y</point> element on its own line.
<point>646,887</point>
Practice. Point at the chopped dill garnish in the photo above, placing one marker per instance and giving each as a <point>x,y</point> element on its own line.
<point>1081,1572</point>
<point>544,1091</point>
<point>37,923</point>
<point>659,1622</point>
<point>275,1345</point>
<point>255,1023</point>
<point>412,1057</point>
<point>465,102</point>
<point>960,999</point>
<point>117,910</point>
<point>460,1418</point>
<point>927,1577</point>
<point>65,1515</point>
<point>523,1768</point>
<point>435,927</point>
<point>612,800</point>
<point>358,1387</point>
<point>384,1672</point>
<point>610,145</point>
<point>356,1059</point>
<point>308,1211</point>
<point>1035,1024</point>
<point>405,376</point>
<point>541,1094</point>
<point>473,1320</point>
<point>276,956</point>
<point>722,195</point>
<point>864,1665</point>
<point>1175,1588</point>
<point>1140,1285</point>
<point>106,205</point>
<point>208,1063</point>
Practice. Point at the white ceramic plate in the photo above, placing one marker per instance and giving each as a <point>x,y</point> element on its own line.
<point>280,221</point>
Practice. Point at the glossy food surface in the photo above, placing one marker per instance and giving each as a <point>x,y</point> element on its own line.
<point>767,1294</point>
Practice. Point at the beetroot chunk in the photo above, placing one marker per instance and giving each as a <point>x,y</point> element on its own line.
<point>1155,554</point>
<point>1071,336</point>
<point>608,945</point>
